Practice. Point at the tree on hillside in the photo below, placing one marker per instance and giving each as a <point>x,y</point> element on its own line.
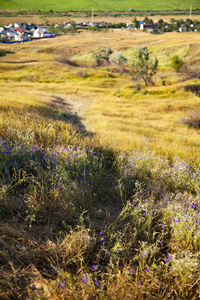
<point>73,25</point>
<point>117,58</point>
<point>172,20</point>
<point>143,66</point>
<point>103,55</point>
<point>148,21</point>
<point>176,26</point>
<point>135,23</point>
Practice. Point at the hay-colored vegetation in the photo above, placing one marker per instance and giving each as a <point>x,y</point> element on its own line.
<point>99,175</point>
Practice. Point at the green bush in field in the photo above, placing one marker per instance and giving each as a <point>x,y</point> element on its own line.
<point>176,63</point>
<point>117,58</point>
<point>102,55</point>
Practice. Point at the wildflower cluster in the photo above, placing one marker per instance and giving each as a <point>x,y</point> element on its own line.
<point>153,170</point>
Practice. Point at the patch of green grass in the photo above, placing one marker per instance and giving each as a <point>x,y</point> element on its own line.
<point>98,5</point>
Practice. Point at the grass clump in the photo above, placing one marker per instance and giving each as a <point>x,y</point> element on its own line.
<point>192,119</point>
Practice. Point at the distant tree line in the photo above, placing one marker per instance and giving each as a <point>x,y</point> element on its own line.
<point>173,25</point>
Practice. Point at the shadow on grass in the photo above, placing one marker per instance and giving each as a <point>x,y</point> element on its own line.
<point>194,88</point>
<point>68,112</point>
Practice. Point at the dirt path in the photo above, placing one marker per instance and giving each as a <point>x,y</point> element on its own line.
<point>72,108</point>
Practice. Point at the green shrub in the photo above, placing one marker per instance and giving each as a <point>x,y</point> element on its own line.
<point>176,63</point>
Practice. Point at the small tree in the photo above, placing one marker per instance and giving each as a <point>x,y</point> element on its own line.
<point>73,25</point>
<point>102,55</point>
<point>118,59</point>
<point>143,66</point>
<point>176,63</point>
<point>148,21</point>
<point>135,23</point>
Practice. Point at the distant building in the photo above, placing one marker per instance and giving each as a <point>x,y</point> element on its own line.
<point>30,26</point>
<point>20,25</point>
<point>182,28</point>
<point>141,25</point>
<point>129,25</point>
<point>10,34</point>
<point>42,26</point>
<point>41,32</point>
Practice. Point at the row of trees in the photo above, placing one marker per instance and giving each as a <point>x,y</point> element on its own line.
<point>174,25</point>
<point>141,67</point>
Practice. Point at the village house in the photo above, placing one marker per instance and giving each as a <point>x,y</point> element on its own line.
<point>9,26</point>
<point>10,34</point>
<point>42,26</point>
<point>3,33</point>
<point>129,25</point>
<point>22,32</point>
<point>42,32</point>
<point>152,26</point>
<point>79,24</point>
<point>182,28</point>
<point>68,25</point>
<point>20,25</point>
<point>20,35</point>
<point>30,26</point>
<point>141,25</point>
<point>2,30</point>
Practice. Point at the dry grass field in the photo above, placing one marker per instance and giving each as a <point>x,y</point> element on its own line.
<point>149,116</point>
<point>37,19</point>
<point>99,174</point>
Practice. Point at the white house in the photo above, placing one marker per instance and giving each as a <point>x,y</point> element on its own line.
<point>141,25</point>
<point>20,35</point>
<point>8,26</point>
<point>3,32</point>
<point>42,26</point>
<point>42,33</point>
<point>20,25</point>
<point>69,25</point>
<point>2,29</point>
<point>10,34</point>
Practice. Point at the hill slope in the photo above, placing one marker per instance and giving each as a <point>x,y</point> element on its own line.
<point>86,5</point>
<point>99,179</point>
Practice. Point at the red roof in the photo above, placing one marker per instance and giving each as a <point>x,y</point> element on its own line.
<point>19,30</point>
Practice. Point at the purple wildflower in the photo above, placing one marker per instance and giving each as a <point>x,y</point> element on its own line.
<point>85,279</point>
<point>97,283</point>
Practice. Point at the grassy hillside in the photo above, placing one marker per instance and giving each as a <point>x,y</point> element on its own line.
<point>86,5</point>
<point>99,174</point>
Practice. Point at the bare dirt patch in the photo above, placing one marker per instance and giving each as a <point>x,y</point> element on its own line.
<point>72,108</point>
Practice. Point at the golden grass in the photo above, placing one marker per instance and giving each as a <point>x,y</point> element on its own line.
<point>120,117</point>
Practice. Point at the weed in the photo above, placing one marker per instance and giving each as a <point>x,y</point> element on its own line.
<point>192,119</point>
